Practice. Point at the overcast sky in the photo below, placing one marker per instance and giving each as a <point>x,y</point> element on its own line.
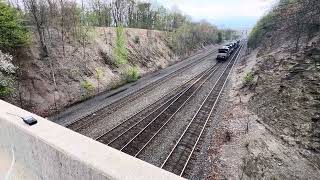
<point>237,14</point>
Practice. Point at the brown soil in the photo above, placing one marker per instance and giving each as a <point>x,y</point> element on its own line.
<point>37,76</point>
<point>270,127</point>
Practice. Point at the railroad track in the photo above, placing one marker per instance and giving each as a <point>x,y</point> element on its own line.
<point>179,158</point>
<point>109,135</point>
<point>103,111</point>
<point>124,136</point>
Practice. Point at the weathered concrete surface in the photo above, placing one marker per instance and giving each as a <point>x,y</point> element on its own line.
<point>49,151</point>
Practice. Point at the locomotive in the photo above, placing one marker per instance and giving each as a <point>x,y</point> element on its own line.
<point>225,52</point>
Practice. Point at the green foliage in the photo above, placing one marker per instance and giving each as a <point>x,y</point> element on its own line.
<point>7,70</point>
<point>99,73</point>
<point>120,50</point>
<point>12,32</point>
<point>86,30</point>
<point>6,86</point>
<point>132,75</point>
<point>88,86</point>
<point>264,25</point>
<point>248,78</point>
<point>136,40</point>
<point>190,36</point>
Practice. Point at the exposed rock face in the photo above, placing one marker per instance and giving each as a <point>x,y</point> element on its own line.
<point>287,96</point>
<point>273,120</point>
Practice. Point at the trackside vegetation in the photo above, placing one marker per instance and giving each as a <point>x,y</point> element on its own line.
<point>120,50</point>
<point>132,74</point>
<point>264,25</point>
<point>299,20</point>
<point>7,71</point>
<point>12,31</point>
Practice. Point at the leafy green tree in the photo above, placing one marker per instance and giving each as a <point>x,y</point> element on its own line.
<point>120,50</point>
<point>12,32</point>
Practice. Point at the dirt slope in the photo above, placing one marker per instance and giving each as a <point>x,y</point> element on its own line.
<point>270,127</point>
<point>147,50</point>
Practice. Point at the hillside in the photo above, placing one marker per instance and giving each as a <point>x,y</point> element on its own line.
<point>63,52</point>
<point>288,75</point>
<point>274,103</point>
<point>81,73</point>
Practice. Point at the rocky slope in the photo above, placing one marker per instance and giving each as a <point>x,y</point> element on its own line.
<point>48,84</point>
<point>271,127</point>
<point>287,95</point>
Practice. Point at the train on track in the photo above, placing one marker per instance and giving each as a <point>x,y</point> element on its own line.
<point>225,52</point>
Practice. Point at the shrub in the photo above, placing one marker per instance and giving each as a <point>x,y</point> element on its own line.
<point>132,74</point>
<point>88,86</point>
<point>136,40</point>
<point>12,31</point>
<point>7,70</point>
<point>99,73</point>
<point>248,78</point>
<point>120,50</point>
<point>6,86</point>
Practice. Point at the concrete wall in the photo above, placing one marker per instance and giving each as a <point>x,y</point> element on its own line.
<point>49,151</point>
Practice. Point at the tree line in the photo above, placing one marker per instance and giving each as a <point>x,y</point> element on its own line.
<point>74,18</point>
<point>298,18</point>
<point>74,21</point>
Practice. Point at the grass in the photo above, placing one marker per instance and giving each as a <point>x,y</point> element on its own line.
<point>248,78</point>
<point>132,75</point>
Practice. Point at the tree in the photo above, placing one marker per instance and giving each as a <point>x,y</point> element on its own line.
<point>119,10</point>
<point>120,50</point>
<point>299,19</point>
<point>99,74</point>
<point>12,32</point>
<point>220,38</point>
<point>7,69</point>
<point>38,11</point>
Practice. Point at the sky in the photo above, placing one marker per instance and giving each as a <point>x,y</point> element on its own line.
<point>235,14</point>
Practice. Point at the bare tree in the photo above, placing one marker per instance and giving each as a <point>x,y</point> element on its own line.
<point>37,10</point>
<point>62,25</point>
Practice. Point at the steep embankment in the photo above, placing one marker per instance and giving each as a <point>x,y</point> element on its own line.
<point>50,83</point>
<point>272,127</point>
<point>287,87</point>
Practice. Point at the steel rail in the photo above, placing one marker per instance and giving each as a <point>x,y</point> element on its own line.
<point>174,98</point>
<point>214,105</point>
<point>186,129</point>
<point>172,115</point>
<point>145,108</point>
<point>142,90</point>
